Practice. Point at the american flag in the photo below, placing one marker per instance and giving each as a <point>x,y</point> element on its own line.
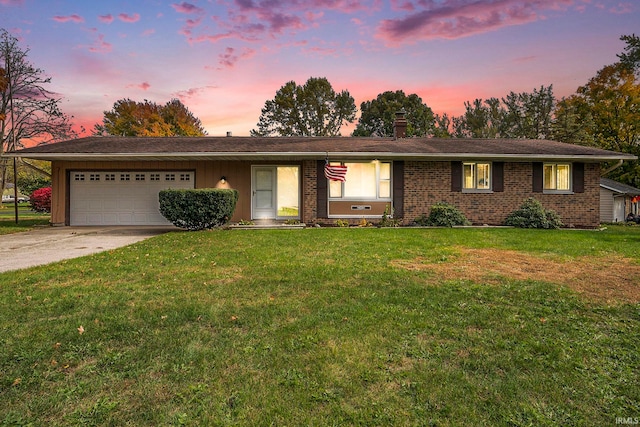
<point>335,172</point>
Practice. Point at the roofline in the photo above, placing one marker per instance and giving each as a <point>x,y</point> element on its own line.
<point>620,192</point>
<point>318,155</point>
<point>606,187</point>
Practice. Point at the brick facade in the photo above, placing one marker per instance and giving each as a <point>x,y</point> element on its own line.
<point>426,183</point>
<point>309,192</point>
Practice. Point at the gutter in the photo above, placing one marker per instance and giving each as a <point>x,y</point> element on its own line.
<point>321,156</point>
<point>612,168</point>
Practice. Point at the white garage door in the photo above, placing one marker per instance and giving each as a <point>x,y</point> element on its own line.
<point>121,198</point>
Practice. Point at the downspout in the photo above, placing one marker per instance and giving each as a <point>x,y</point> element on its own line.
<point>612,168</point>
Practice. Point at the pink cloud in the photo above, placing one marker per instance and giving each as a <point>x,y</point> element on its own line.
<point>129,18</point>
<point>255,20</point>
<point>148,32</point>
<point>143,86</point>
<point>12,2</point>
<point>71,18</point>
<point>107,19</point>
<point>404,5</point>
<point>230,57</point>
<point>100,46</point>
<point>621,8</point>
<point>321,51</point>
<point>192,93</point>
<point>452,19</point>
<point>185,7</point>
<point>523,59</point>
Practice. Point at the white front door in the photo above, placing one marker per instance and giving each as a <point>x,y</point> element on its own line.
<point>264,192</point>
<point>275,192</point>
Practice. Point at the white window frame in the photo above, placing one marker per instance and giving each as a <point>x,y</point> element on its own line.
<point>474,187</point>
<point>553,188</point>
<point>378,178</point>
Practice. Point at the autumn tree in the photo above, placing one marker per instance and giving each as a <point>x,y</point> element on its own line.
<point>28,110</point>
<point>609,110</point>
<point>131,118</point>
<point>605,112</point>
<point>312,109</point>
<point>377,116</point>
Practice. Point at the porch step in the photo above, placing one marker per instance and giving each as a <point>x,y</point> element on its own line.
<point>266,224</point>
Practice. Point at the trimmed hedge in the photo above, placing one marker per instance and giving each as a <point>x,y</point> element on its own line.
<point>198,209</point>
<point>533,215</point>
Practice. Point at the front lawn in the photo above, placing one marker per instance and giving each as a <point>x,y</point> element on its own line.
<point>27,218</point>
<point>341,326</point>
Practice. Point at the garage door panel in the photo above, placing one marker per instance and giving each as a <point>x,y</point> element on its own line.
<point>121,198</point>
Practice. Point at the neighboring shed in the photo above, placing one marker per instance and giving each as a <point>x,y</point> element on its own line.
<point>617,200</point>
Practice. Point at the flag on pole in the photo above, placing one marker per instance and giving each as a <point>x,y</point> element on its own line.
<point>335,172</point>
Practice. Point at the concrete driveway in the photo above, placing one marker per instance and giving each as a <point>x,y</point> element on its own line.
<point>51,244</point>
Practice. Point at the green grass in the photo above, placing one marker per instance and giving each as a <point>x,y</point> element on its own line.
<point>315,327</point>
<point>27,219</point>
<point>287,211</point>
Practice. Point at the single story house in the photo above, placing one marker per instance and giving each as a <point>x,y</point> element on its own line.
<point>116,180</point>
<point>617,200</point>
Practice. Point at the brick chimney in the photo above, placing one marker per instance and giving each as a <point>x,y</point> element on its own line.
<point>400,125</point>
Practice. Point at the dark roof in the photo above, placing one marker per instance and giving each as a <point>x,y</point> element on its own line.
<point>619,187</point>
<point>295,148</point>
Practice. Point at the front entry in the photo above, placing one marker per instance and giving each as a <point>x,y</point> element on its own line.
<point>275,192</point>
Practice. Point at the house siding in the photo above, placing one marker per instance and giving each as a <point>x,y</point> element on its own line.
<point>207,175</point>
<point>606,205</point>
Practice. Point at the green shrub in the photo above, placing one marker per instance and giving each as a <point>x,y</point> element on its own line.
<point>387,218</point>
<point>442,214</point>
<point>533,215</point>
<point>198,209</point>
<point>422,220</point>
<point>29,184</point>
<point>342,223</point>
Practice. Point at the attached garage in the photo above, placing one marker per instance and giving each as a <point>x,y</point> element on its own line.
<point>116,180</point>
<point>121,198</point>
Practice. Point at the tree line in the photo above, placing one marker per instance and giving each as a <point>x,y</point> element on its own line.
<point>605,112</point>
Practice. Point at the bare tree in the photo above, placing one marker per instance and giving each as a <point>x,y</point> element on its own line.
<point>28,111</point>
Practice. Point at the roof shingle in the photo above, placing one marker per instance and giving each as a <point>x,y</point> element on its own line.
<point>154,148</point>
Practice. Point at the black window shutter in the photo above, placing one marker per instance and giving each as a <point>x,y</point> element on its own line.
<point>537,177</point>
<point>578,177</point>
<point>497,173</point>
<point>456,176</point>
<point>398,189</point>
<point>322,191</point>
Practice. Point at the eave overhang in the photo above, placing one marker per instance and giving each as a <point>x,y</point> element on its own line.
<point>319,155</point>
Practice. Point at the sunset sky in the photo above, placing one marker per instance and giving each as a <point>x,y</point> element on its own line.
<point>224,58</point>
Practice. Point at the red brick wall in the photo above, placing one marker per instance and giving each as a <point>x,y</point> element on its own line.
<point>309,192</point>
<point>429,182</point>
<point>426,183</point>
